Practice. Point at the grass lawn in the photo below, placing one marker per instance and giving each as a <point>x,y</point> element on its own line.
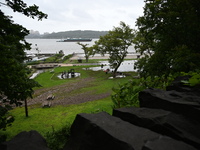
<point>44,119</point>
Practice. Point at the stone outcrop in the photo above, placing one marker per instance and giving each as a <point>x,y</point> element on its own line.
<point>165,143</point>
<point>163,122</point>
<point>103,131</point>
<point>31,140</point>
<point>177,102</point>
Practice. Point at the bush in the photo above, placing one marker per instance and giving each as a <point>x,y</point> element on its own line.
<point>194,80</point>
<point>67,57</point>
<point>56,139</point>
<point>127,94</point>
<point>54,59</point>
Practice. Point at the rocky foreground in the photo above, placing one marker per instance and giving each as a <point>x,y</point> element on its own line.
<point>166,120</point>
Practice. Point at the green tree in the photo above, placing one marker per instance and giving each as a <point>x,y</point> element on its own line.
<point>116,44</point>
<point>15,83</point>
<point>5,120</point>
<point>88,51</point>
<point>170,31</point>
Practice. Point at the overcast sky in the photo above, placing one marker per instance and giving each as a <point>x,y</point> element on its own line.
<point>66,15</point>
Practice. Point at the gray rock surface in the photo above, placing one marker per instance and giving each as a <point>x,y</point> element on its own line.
<point>31,140</point>
<point>165,143</point>
<point>163,122</point>
<point>177,102</point>
<point>105,132</point>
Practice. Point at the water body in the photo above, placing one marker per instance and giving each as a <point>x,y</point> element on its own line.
<point>51,46</point>
<point>126,66</point>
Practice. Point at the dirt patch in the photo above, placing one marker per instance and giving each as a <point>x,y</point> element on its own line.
<point>69,93</point>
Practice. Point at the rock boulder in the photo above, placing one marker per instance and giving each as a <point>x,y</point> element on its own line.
<point>31,140</point>
<point>165,143</point>
<point>105,132</point>
<point>163,122</point>
<point>177,102</point>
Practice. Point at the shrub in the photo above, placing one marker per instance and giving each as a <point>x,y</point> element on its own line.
<point>56,139</point>
<point>194,80</point>
<point>127,94</point>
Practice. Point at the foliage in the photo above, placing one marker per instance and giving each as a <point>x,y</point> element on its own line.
<point>5,120</point>
<point>168,37</point>
<point>116,44</point>
<point>126,95</point>
<point>67,57</point>
<point>194,79</point>
<point>157,82</point>
<point>54,59</point>
<point>21,7</point>
<point>15,84</point>
<point>56,139</point>
<point>57,58</point>
<point>87,50</point>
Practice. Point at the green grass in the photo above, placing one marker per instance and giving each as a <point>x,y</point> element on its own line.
<point>48,79</point>
<point>43,119</point>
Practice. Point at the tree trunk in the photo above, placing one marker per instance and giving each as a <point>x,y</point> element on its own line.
<point>86,58</point>
<point>26,108</point>
<point>115,70</point>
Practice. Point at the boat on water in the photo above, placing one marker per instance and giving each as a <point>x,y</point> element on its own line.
<point>75,40</point>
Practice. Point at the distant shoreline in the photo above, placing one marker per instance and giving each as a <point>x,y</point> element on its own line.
<point>98,56</point>
<point>67,34</point>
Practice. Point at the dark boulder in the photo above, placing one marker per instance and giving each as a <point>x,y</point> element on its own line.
<point>177,102</point>
<point>104,132</point>
<point>165,143</point>
<point>31,140</point>
<point>163,122</point>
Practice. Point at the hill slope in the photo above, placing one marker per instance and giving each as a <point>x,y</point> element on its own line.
<point>70,34</point>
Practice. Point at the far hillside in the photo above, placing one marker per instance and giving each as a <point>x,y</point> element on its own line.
<point>68,34</point>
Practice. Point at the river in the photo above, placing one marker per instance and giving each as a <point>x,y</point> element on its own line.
<point>51,46</point>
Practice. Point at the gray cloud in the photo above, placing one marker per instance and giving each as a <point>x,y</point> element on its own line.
<point>66,15</point>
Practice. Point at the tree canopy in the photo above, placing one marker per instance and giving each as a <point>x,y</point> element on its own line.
<point>88,51</point>
<point>168,37</point>
<point>116,44</point>
<point>15,83</point>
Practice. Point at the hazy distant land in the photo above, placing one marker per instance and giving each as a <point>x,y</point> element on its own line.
<point>67,34</point>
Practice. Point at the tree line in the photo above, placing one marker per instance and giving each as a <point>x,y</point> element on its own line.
<point>69,34</point>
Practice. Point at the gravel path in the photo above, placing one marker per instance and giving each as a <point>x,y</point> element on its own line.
<point>69,93</point>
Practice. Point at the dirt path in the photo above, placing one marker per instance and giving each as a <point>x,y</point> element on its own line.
<point>69,93</point>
